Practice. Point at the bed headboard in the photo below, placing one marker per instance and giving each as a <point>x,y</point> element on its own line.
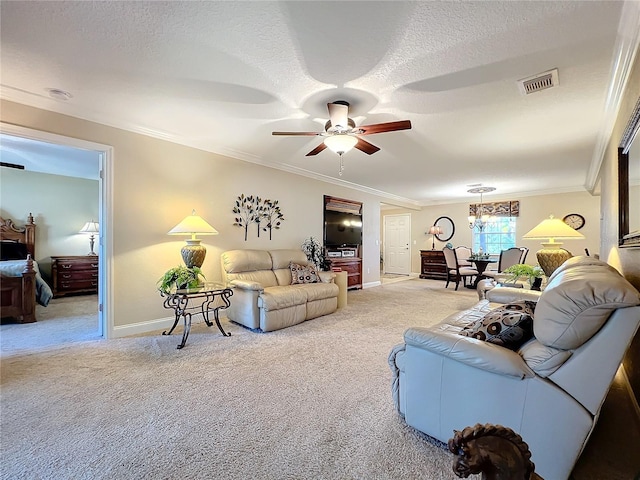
<point>26,234</point>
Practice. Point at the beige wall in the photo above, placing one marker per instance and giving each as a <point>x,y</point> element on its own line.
<point>60,206</point>
<point>155,184</point>
<point>533,210</point>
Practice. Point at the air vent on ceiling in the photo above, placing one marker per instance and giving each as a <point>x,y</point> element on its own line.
<point>542,81</point>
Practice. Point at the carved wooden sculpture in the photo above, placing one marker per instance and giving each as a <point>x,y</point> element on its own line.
<point>493,450</point>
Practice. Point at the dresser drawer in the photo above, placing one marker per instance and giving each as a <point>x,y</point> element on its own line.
<point>68,285</point>
<point>76,265</point>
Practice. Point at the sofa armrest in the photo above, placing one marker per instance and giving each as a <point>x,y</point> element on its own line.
<point>326,277</point>
<point>470,351</point>
<point>247,285</point>
<point>510,295</point>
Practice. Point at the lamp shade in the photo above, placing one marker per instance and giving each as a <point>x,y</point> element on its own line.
<point>552,228</point>
<point>193,253</point>
<point>341,143</point>
<point>435,230</point>
<point>193,225</point>
<point>90,228</point>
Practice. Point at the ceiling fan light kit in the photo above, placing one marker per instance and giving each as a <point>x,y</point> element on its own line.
<point>340,143</point>
<point>342,135</point>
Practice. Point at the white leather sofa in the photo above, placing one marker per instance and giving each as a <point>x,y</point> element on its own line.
<point>263,296</point>
<point>550,390</point>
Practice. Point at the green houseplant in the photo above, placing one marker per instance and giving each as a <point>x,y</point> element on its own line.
<point>315,253</point>
<point>522,270</point>
<point>181,277</point>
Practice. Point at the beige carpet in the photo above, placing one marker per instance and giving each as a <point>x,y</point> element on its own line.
<point>309,402</point>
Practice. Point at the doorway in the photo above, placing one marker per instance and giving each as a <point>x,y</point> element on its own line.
<point>397,244</point>
<point>103,155</point>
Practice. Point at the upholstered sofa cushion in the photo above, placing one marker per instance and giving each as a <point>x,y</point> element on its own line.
<point>249,265</point>
<point>578,301</point>
<point>279,297</point>
<point>281,260</point>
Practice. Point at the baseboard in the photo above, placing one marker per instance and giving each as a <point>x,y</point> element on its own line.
<point>150,326</point>
<point>142,327</point>
<point>371,284</point>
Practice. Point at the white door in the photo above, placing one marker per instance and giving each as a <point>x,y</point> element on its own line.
<point>397,251</point>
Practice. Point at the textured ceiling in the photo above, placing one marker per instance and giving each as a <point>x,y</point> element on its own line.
<point>221,76</point>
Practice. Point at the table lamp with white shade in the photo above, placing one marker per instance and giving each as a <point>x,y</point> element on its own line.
<point>92,229</point>
<point>552,255</point>
<point>193,253</point>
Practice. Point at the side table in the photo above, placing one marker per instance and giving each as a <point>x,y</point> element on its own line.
<point>341,280</point>
<point>208,297</point>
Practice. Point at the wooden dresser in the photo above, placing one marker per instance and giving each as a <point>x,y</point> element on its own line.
<point>74,275</point>
<point>353,267</point>
<point>433,264</point>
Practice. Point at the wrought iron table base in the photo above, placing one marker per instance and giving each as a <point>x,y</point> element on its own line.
<point>179,303</point>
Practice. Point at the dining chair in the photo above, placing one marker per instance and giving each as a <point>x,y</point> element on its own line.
<point>455,270</point>
<point>524,250</point>
<point>508,257</point>
<point>463,253</point>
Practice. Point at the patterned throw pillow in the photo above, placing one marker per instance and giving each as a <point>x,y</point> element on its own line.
<point>509,326</point>
<point>303,274</point>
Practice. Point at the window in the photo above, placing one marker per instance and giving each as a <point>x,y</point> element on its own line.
<point>498,235</point>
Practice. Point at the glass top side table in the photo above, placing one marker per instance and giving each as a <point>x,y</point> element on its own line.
<point>205,298</point>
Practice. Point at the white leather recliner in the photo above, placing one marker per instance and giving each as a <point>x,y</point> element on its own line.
<point>550,390</point>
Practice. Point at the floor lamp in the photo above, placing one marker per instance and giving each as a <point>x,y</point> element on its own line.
<point>552,255</point>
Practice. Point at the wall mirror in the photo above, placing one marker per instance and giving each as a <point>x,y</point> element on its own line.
<point>629,182</point>
<point>447,228</point>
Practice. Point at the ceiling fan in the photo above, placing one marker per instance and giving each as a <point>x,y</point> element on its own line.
<point>341,133</point>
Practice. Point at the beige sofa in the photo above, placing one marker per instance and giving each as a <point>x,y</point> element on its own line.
<point>549,390</point>
<point>264,298</point>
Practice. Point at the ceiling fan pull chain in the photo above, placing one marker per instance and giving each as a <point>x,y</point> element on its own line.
<point>341,165</point>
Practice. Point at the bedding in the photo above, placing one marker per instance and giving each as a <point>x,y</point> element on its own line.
<point>14,268</point>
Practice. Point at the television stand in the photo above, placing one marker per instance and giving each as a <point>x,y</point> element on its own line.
<point>353,267</point>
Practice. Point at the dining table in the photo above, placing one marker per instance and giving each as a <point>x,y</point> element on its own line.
<point>481,265</point>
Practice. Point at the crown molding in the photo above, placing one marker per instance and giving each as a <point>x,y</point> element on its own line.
<point>625,50</point>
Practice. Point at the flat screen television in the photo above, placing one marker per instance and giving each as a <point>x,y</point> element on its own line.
<point>342,229</point>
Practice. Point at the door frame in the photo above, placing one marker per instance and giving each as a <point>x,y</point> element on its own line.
<point>105,213</point>
<point>384,241</point>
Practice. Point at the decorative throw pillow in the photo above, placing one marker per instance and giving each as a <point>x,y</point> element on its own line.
<point>303,273</point>
<point>509,326</point>
<point>10,250</point>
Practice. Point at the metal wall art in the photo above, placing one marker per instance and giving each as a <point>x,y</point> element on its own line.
<point>252,210</point>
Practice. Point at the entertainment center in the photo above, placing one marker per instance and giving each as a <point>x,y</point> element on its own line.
<point>342,237</point>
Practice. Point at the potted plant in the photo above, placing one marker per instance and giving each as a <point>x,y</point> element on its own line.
<point>180,277</point>
<point>522,270</point>
<point>315,253</point>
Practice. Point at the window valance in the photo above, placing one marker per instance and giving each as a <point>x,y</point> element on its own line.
<point>509,208</point>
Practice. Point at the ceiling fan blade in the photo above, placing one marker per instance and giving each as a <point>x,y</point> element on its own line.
<point>306,134</point>
<point>339,115</point>
<point>366,147</point>
<point>384,127</point>
<point>316,150</point>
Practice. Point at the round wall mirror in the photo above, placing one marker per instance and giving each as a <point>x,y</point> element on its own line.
<point>447,227</point>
